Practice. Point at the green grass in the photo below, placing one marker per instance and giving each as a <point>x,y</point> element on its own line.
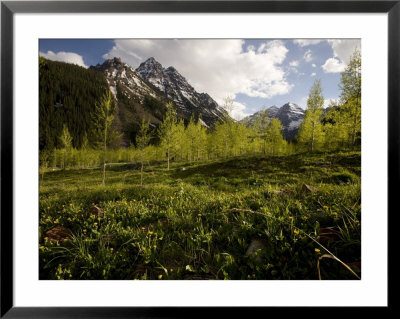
<point>197,223</point>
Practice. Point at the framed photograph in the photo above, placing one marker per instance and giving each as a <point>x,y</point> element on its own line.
<point>165,157</point>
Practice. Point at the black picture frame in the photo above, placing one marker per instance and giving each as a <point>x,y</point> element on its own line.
<point>9,8</point>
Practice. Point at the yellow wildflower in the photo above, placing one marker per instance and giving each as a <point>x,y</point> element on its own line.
<point>199,215</point>
<point>155,246</point>
<point>159,276</point>
<point>296,232</point>
<point>317,250</point>
<point>95,224</point>
<point>291,217</point>
<point>111,249</point>
<point>56,221</point>
<point>70,205</point>
<point>326,207</point>
<point>150,233</point>
<point>41,247</point>
<point>46,238</point>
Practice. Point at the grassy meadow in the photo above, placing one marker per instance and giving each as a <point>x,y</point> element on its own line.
<point>253,217</point>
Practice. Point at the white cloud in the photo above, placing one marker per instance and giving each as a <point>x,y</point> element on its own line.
<point>256,72</point>
<point>308,56</point>
<point>306,42</point>
<point>343,49</point>
<point>68,57</point>
<point>328,101</point>
<point>238,111</point>
<point>334,65</point>
<point>294,63</point>
<point>342,52</point>
<point>313,74</point>
<point>313,65</point>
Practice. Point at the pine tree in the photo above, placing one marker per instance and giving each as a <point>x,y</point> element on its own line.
<point>142,141</point>
<point>311,132</point>
<point>260,126</point>
<point>274,138</point>
<point>102,123</point>
<point>350,85</point>
<point>168,133</point>
<point>66,144</point>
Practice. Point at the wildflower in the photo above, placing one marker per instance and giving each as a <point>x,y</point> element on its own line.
<point>155,246</point>
<point>317,250</point>
<point>56,221</point>
<point>334,213</point>
<point>144,248</point>
<point>70,205</point>
<point>111,249</point>
<point>159,276</point>
<point>69,219</point>
<point>291,217</point>
<point>171,270</point>
<point>85,231</point>
<point>47,219</point>
<point>65,240</point>
<point>95,224</point>
<point>42,248</point>
<point>199,215</point>
<point>150,233</point>
<point>46,238</point>
<point>98,218</point>
<point>70,276</point>
<point>143,228</point>
<point>326,207</point>
<point>92,216</point>
<point>296,232</point>
<point>48,207</point>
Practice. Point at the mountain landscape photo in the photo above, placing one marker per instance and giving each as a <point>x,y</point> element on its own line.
<point>200,159</point>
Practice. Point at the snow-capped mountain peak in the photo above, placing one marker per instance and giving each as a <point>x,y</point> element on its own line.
<point>174,85</point>
<point>290,115</point>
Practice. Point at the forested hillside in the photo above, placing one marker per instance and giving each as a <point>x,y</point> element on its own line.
<point>67,95</point>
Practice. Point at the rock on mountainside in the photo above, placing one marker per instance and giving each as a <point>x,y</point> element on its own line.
<point>290,115</point>
<point>170,82</point>
<point>146,91</point>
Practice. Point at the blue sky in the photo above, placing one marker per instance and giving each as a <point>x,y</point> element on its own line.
<point>257,73</point>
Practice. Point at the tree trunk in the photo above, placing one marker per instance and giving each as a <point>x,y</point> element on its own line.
<point>168,160</point>
<point>312,137</point>
<point>141,175</point>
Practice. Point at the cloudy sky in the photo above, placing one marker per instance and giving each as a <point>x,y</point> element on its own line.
<point>257,73</point>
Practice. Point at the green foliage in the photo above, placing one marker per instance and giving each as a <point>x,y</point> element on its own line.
<point>67,95</point>
<point>168,133</point>
<point>310,135</point>
<point>196,223</point>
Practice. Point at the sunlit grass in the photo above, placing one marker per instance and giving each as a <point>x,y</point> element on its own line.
<point>176,226</point>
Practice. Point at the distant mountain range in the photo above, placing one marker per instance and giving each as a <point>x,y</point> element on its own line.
<point>147,90</point>
<point>290,115</point>
<point>139,93</point>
